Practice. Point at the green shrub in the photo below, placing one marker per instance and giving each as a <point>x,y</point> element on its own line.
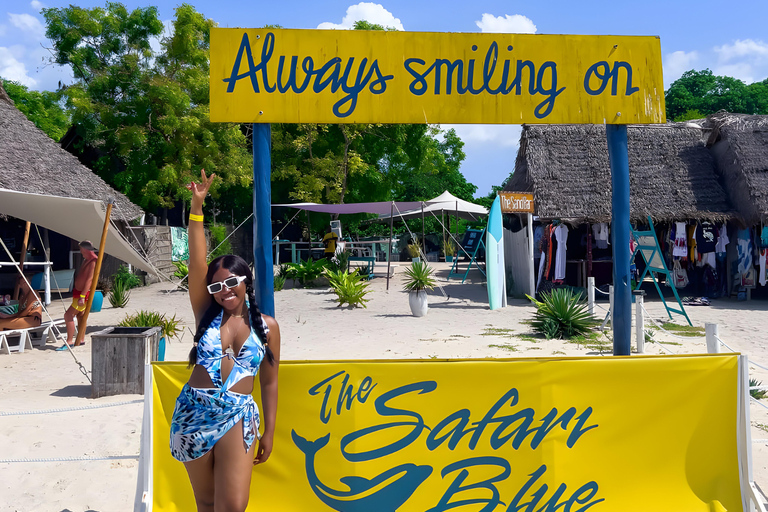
<point>182,269</point>
<point>279,282</point>
<point>306,272</point>
<point>119,294</point>
<point>169,326</point>
<point>418,277</point>
<point>218,235</point>
<point>350,287</point>
<point>339,262</point>
<point>757,394</point>
<point>125,276</point>
<point>561,314</point>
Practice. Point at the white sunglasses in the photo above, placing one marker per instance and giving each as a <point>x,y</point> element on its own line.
<point>230,282</point>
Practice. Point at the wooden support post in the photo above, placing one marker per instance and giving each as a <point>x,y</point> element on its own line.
<point>713,344</point>
<point>22,258</point>
<point>590,295</point>
<point>83,323</point>
<point>639,321</point>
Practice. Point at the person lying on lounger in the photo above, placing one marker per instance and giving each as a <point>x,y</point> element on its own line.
<point>30,312</point>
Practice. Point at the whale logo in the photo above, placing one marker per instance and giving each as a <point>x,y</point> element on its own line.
<point>364,495</point>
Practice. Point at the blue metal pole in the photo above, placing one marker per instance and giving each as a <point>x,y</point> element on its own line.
<point>264,277</point>
<point>622,300</point>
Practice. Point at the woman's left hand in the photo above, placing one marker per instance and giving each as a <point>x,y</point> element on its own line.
<point>264,450</point>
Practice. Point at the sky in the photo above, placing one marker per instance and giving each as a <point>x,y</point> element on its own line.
<point>728,38</point>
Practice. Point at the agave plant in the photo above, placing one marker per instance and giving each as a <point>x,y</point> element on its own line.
<point>418,277</point>
<point>119,294</point>
<point>169,326</point>
<point>349,287</point>
<point>561,313</point>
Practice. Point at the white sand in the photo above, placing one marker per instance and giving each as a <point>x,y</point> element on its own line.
<point>312,328</point>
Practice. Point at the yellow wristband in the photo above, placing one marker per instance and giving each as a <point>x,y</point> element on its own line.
<point>198,218</point>
<point>82,296</point>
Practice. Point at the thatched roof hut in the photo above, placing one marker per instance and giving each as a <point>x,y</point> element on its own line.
<point>739,144</point>
<point>32,162</point>
<point>672,173</point>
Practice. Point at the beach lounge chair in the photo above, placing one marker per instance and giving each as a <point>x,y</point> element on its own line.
<point>33,336</point>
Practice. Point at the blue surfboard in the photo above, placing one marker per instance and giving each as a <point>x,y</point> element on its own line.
<point>494,258</point>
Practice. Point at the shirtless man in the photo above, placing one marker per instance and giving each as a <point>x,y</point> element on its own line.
<point>81,289</point>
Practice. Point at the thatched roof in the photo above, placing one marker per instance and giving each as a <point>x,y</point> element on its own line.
<point>32,162</point>
<point>740,145</point>
<point>672,173</point>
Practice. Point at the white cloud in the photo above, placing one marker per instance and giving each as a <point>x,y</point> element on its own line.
<point>746,60</point>
<point>27,23</point>
<point>368,11</point>
<point>13,69</point>
<point>36,5</point>
<point>516,24</point>
<point>500,135</point>
<point>677,63</point>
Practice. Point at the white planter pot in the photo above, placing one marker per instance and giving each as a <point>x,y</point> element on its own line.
<point>417,259</point>
<point>418,303</point>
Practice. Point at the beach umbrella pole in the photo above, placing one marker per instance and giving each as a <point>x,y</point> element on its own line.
<point>83,322</point>
<point>264,273</point>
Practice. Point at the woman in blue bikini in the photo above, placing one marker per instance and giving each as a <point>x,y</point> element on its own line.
<point>216,421</point>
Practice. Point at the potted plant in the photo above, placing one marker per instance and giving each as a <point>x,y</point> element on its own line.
<point>449,249</point>
<point>414,249</point>
<point>418,279</point>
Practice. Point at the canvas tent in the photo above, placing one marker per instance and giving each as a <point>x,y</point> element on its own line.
<point>43,184</point>
<point>444,203</point>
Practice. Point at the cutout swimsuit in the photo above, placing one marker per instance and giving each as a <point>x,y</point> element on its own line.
<point>203,415</point>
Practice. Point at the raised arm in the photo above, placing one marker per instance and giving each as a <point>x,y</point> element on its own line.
<point>198,251</point>
<point>268,381</point>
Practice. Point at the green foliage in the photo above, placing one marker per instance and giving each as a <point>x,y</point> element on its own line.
<point>449,247</point>
<point>561,313</point>
<point>146,113</point>
<point>697,94</point>
<point>126,277</point>
<point>414,249</point>
<point>119,294</point>
<point>350,287</point>
<point>182,269</point>
<point>279,283</point>
<point>340,262</point>
<point>757,394</point>
<point>169,326</point>
<point>306,272</point>
<point>218,236</point>
<point>42,108</point>
<point>418,277</point>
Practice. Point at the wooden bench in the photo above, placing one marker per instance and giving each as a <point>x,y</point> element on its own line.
<point>33,336</point>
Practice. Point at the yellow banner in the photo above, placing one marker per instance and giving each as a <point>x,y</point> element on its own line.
<point>356,76</point>
<point>563,435</point>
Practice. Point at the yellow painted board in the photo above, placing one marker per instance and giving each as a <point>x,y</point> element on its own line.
<point>353,76</point>
<point>622,434</point>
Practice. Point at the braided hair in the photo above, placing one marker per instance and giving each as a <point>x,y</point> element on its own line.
<point>238,267</point>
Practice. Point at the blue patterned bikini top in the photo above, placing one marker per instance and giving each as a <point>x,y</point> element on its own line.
<point>246,363</point>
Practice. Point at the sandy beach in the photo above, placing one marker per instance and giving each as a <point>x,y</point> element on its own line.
<point>458,325</point>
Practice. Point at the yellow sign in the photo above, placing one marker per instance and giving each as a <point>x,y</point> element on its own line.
<point>516,202</point>
<point>357,76</point>
<point>605,434</point>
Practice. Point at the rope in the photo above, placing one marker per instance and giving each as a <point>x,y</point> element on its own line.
<point>421,252</point>
<point>601,291</point>
<point>68,409</point>
<point>729,348</point>
<point>758,402</point>
<point>45,310</point>
<point>648,315</point>
<point>70,459</point>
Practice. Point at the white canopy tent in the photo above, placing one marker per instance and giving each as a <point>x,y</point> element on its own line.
<point>79,219</point>
<point>444,203</point>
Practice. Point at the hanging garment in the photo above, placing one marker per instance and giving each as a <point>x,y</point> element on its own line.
<point>762,277</point>
<point>722,239</point>
<point>600,232</point>
<point>679,275</point>
<point>706,237</point>
<point>692,252</point>
<point>708,258</point>
<point>681,246</point>
<point>764,236</point>
<point>744,246</point>
<point>546,250</point>
<point>561,235</point>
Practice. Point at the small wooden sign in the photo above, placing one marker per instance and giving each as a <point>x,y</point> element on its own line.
<point>516,202</point>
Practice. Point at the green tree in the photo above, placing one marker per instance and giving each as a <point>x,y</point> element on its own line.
<point>146,113</point>
<point>42,108</point>
<point>697,94</point>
